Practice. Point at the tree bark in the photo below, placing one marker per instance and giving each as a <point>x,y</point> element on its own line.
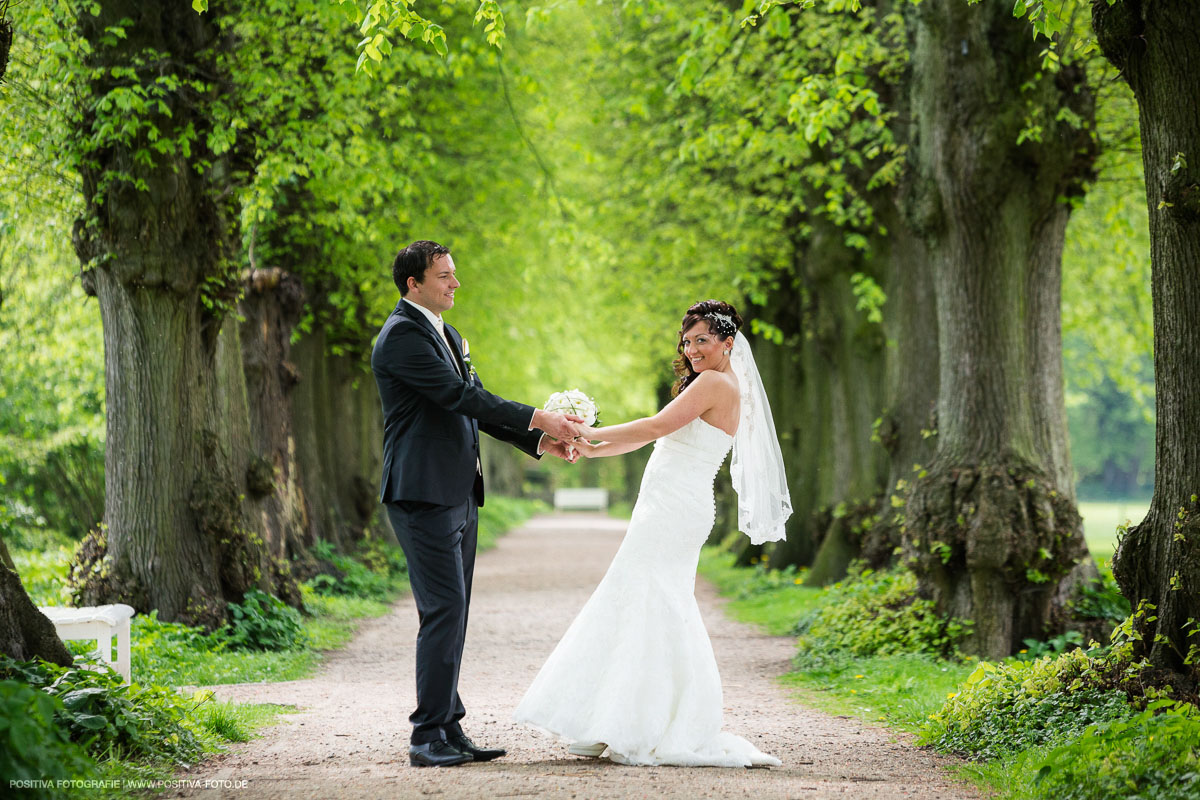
<point>991,526</point>
<point>270,309</point>
<point>175,538</point>
<point>1156,45</point>
<point>338,428</point>
<point>825,384</point>
<point>25,632</point>
<point>909,415</point>
<point>6,39</point>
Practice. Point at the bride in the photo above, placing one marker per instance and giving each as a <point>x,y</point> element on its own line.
<point>634,676</point>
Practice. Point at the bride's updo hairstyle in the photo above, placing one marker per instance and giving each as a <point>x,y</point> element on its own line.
<point>723,322</point>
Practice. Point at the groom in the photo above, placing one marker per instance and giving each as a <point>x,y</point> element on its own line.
<point>434,406</point>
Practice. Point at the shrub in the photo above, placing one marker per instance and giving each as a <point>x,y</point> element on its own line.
<point>353,578</point>
<point>1101,599</point>
<point>32,744</point>
<point>1010,706</point>
<point>99,711</point>
<point>262,622</point>
<point>1153,754</point>
<point>875,613</point>
<point>1064,642</point>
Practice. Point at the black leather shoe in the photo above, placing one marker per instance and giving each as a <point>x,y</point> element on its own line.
<point>437,754</point>
<point>465,745</point>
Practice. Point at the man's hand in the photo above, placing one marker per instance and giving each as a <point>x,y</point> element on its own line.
<point>563,450</point>
<point>560,426</point>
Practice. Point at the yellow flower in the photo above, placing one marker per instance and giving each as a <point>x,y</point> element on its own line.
<point>859,676</point>
<point>883,717</point>
<point>798,581</point>
<point>1022,651</point>
<point>952,695</point>
<point>854,691</point>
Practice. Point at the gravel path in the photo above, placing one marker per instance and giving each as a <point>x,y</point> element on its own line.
<point>350,738</point>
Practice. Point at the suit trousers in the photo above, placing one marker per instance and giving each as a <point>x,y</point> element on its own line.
<point>439,544</point>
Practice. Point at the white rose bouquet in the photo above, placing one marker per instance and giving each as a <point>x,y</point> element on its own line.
<point>574,402</point>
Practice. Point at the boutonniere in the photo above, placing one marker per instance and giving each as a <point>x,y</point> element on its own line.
<point>466,354</point>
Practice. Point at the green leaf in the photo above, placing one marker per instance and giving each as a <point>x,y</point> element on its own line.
<point>93,722</point>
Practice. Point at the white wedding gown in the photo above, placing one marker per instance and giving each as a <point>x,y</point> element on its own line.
<point>636,669</point>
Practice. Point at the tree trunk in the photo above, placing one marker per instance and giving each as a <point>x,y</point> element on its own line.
<point>338,430</point>
<point>1156,45</point>
<point>270,309</point>
<point>991,526</point>
<point>6,38</point>
<point>175,536</point>
<point>909,415</point>
<point>25,632</point>
<point>825,384</point>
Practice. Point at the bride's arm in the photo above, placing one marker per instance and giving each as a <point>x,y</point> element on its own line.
<point>699,397</point>
<point>606,448</point>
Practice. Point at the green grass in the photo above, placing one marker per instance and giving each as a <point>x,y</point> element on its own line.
<point>334,620</point>
<point>235,722</point>
<point>208,668</point>
<point>900,690</point>
<point>772,600</point>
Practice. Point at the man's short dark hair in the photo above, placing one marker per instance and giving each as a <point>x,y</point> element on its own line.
<point>412,261</point>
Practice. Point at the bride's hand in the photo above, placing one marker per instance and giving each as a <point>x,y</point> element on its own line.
<point>585,448</point>
<point>586,432</point>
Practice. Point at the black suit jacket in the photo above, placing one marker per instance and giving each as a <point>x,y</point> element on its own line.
<point>432,415</point>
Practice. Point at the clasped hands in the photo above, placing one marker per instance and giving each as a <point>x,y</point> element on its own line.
<point>568,432</point>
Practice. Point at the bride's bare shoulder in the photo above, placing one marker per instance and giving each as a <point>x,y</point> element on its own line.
<point>717,382</point>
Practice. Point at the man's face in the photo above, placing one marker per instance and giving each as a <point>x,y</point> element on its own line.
<point>436,292</point>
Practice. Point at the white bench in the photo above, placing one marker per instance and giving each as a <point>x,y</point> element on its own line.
<point>97,623</point>
<point>581,499</point>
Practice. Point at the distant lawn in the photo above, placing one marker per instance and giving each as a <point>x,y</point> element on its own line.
<point>1100,521</point>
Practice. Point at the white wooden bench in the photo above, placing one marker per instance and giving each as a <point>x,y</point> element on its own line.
<point>580,499</point>
<point>97,623</point>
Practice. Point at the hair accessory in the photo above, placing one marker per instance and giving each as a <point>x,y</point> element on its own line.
<point>724,324</point>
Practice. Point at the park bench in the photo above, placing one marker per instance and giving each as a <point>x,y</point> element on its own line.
<point>97,623</point>
<point>580,499</point>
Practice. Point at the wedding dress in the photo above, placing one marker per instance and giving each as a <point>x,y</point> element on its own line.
<point>636,670</point>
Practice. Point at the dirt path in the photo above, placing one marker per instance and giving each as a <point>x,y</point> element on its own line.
<point>351,738</point>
